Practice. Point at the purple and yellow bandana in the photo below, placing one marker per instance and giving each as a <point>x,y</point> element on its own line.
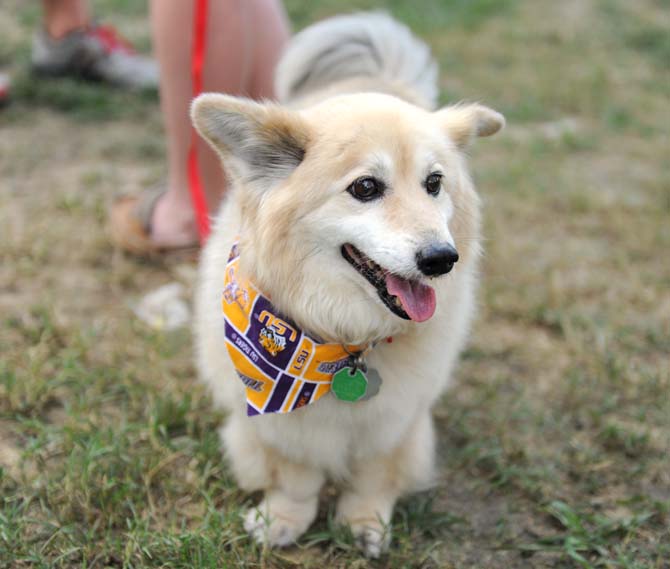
<point>282,367</point>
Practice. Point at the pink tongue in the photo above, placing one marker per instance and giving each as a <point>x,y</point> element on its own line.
<point>417,299</point>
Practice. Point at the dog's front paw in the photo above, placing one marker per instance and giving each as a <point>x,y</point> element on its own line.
<point>369,519</point>
<point>276,528</point>
<point>372,537</point>
<point>272,531</point>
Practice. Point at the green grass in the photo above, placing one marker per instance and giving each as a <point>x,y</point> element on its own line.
<point>82,101</point>
<point>553,444</point>
<point>587,539</point>
<point>427,15</point>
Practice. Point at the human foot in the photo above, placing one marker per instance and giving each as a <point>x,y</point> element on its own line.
<point>173,223</point>
<point>93,52</point>
<point>152,222</point>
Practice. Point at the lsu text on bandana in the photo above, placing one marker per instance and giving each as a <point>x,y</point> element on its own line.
<point>282,368</point>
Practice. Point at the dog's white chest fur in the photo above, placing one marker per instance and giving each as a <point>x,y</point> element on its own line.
<point>331,434</point>
<point>334,434</point>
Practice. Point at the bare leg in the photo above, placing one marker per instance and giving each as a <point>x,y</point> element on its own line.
<point>269,45</point>
<point>63,16</point>
<point>244,40</point>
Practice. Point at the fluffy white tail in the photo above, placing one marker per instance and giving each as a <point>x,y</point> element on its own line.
<point>363,45</point>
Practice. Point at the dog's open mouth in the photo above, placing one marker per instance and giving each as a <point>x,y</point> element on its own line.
<point>409,299</point>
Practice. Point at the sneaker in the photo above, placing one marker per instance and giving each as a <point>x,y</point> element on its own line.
<point>96,53</point>
<point>4,89</point>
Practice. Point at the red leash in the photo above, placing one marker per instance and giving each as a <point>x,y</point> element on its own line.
<point>197,64</point>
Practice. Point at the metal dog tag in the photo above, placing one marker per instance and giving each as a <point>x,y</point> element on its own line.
<point>374,384</point>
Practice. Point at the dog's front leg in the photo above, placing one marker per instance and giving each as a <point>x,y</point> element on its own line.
<point>289,505</point>
<point>366,505</point>
<point>290,502</point>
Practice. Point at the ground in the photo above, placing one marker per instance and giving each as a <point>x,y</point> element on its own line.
<point>554,440</point>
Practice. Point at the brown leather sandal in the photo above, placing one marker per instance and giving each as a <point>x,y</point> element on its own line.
<point>130,227</point>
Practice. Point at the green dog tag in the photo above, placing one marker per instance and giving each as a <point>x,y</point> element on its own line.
<point>349,385</point>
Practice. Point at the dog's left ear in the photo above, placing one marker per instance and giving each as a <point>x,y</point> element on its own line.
<point>265,141</point>
<point>463,123</point>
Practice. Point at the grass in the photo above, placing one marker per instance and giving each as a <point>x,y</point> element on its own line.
<point>585,536</point>
<point>553,443</point>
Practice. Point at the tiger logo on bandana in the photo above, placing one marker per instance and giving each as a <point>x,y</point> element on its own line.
<point>271,341</point>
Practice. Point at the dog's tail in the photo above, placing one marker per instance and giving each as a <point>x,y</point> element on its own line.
<point>372,48</point>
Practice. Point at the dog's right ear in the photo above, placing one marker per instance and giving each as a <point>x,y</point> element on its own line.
<point>464,122</point>
<point>267,142</point>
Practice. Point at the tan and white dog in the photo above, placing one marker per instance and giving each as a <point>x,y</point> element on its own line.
<point>355,214</point>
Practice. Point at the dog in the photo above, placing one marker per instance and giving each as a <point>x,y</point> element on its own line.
<point>347,244</point>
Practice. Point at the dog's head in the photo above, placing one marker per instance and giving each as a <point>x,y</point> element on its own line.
<point>351,209</point>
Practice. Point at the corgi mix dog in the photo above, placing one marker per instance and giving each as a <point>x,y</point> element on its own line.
<point>337,288</point>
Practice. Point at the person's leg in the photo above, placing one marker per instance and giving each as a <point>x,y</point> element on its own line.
<point>64,16</point>
<point>244,38</point>
<point>273,31</point>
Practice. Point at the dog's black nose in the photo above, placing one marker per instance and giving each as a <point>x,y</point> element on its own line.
<point>436,260</point>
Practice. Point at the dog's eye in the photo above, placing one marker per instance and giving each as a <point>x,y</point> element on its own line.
<point>366,189</point>
<point>433,184</point>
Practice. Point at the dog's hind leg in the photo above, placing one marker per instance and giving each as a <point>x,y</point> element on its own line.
<point>366,505</point>
<point>291,497</point>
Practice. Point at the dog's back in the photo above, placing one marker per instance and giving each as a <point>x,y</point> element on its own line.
<point>357,53</point>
